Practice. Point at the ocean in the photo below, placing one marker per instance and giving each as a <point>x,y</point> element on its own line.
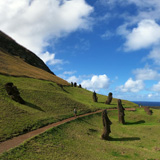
<point>148,103</point>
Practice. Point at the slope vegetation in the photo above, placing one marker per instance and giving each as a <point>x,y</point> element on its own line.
<point>46,102</point>
<point>11,47</point>
<point>80,139</point>
<point>15,66</point>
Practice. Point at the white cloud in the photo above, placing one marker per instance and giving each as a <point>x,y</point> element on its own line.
<point>33,23</point>
<point>146,74</point>
<point>150,95</point>
<point>69,72</point>
<point>153,96</point>
<point>96,83</point>
<point>145,35</point>
<point>73,79</point>
<point>132,86</point>
<point>107,35</point>
<point>50,58</point>
<point>156,87</point>
<point>155,55</point>
<point>146,18</point>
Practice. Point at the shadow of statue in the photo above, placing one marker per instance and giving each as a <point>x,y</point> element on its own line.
<point>93,130</point>
<point>132,123</point>
<point>82,120</point>
<point>124,139</point>
<point>61,86</point>
<point>34,106</point>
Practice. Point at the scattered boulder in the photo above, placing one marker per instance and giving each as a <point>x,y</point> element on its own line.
<point>106,125</point>
<point>120,112</point>
<point>95,98</point>
<point>13,92</point>
<point>109,98</point>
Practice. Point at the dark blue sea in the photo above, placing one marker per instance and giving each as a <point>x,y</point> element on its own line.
<point>149,104</point>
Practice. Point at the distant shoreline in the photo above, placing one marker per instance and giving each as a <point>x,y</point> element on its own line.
<point>155,105</point>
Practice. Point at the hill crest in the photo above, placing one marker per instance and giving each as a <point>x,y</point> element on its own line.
<point>11,47</point>
<point>16,60</point>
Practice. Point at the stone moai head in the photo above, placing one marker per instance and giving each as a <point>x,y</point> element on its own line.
<point>109,98</point>
<point>95,98</point>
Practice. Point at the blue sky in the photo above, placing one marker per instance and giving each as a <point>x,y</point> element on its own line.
<point>105,45</point>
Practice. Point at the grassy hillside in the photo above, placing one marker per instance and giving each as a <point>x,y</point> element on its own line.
<point>10,47</point>
<point>15,66</point>
<point>80,139</point>
<point>46,102</point>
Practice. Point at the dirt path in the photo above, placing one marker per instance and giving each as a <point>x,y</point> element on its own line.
<point>14,142</point>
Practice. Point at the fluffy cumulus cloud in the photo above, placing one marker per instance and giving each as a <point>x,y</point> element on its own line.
<point>32,23</point>
<point>145,35</point>
<point>132,86</point>
<point>147,8</point>
<point>73,79</point>
<point>155,55</point>
<point>156,87</point>
<point>50,57</point>
<point>141,30</point>
<point>146,74</point>
<point>96,83</point>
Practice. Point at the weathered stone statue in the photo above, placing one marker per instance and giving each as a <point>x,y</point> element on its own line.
<point>75,84</point>
<point>106,125</point>
<point>109,98</point>
<point>80,86</point>
<point>14,93</point>
<point>148,111</point>
<point>71,84</point>
<point>121,112</point>
<point>95,98</point>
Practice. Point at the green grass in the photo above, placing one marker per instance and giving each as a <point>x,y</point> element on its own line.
<point>46,102</point>
<point>80,139</point>
<point>16,66</point>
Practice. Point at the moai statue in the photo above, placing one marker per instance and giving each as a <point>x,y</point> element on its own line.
<point>79,86</point>
<point>109,98</point>
<point>121,112</point>
<point>148,111</point>
<point>95,98</point>
<point>14,93</point>
<point>106,125</point>
<point>75,84</point>
<point>71,84</point>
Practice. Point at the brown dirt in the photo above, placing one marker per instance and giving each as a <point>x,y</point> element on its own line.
<point>14,142</point>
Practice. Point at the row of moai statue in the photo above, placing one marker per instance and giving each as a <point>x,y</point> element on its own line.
<point>75,85</point>
<point>106,121</point>
<point>109,100</point>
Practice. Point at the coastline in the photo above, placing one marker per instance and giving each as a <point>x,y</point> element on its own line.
<point>155,105</point>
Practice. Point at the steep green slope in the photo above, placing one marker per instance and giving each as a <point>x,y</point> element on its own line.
<point>46,102</point>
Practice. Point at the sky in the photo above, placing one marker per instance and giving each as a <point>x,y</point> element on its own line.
<point>104,45</point>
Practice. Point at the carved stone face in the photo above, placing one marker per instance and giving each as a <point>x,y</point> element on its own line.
<point>119,101</point>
